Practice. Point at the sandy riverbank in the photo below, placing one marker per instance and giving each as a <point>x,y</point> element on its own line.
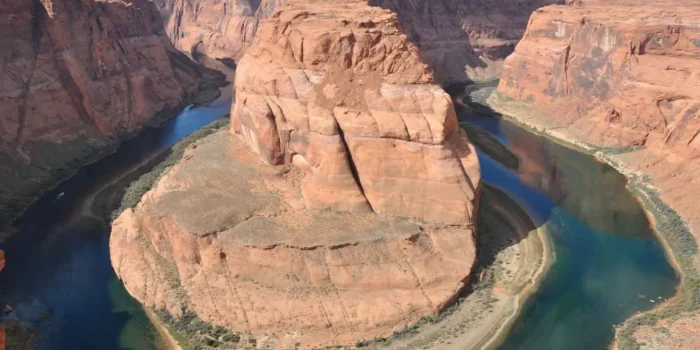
<point>166,341</point>
<point>513,263</point>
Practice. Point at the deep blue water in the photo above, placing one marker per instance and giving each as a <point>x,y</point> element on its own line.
<point>58,275</point>
<point>608,263</point>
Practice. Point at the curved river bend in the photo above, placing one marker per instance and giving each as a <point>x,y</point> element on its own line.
<point>58,275</point>
<point>608,264</point>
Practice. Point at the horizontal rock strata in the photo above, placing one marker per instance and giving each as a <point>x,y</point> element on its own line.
<point>617,73</point>
<point>228,237</point>
<point>345,97</point>
<point>349,124</point>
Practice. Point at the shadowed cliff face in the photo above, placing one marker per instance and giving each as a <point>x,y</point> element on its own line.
<point>460,39</point>
<point>464,40</point>
<point>74,77</point>
<point>216,28</point>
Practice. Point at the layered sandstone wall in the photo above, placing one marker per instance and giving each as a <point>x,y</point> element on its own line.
<point>616,73</point>
<point>73,68</point>
<point>623,76</point>
<point>216,28</point>
<point>228,237</point>
<point>464,40</point>
<point>460,39</point>
<point>347,99</point>
<point>74,76</point>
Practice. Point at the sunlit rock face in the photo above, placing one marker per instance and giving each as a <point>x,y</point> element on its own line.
<point>622,76</point>
<point>347,99</point>
<point>616,73</point>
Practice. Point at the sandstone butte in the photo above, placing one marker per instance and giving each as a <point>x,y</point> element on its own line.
<point>460,39</point>
<point>620,74</point>
<point>75,75</point>
<point>340,209</point>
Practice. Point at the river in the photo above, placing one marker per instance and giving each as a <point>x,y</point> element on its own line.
<point>58,276</point>
<point>607,262</point>
<point>607,266</point>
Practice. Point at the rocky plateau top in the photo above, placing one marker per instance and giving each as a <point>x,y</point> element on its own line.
<point>358,221</point>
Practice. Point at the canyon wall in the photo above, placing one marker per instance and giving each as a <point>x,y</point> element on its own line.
<point>623,77</point>
<point>617,73</point>
<point>460,39</point>
<point>216,28</point>
<point>75,76</point>
<point>464,40</point>
<point>358,222</point>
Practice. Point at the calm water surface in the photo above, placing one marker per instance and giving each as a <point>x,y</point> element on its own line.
<point>608,264</point>
<point>58,275</point>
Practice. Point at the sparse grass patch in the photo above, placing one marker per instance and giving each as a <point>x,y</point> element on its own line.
<point>192,333</point>
<point>136,190</point>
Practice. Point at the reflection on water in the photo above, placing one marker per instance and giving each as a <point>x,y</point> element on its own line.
<point>58,275</point>
<point>608,263</point>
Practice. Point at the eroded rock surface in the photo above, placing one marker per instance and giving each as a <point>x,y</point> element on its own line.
<point>75,68</point>
<point>215,28</point>
<point>338,90</point>
<point>228,237</point>
<point>460,39</point>
<point>617,73</point>
<point>464,40</point>
<point>74,76</point>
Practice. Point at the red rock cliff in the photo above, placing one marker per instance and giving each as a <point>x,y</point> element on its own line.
<point>214,27</point>
<point>621,73</point>
<point>617,73</point>
<point>81,67</point>
<point>75,75</point>
<point>346,98</point>
<point>464,39</point>
<point>459,39</point>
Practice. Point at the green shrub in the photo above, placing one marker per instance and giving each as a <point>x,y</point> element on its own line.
<point>684,249</point>
<point>199,334</point>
